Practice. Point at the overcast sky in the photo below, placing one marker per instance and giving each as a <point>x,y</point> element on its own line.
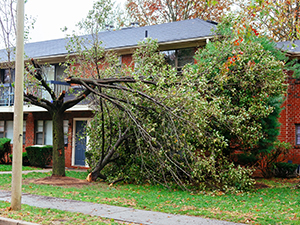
<point>53,15</point>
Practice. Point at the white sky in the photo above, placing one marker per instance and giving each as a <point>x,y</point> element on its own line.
<point>53,15</point>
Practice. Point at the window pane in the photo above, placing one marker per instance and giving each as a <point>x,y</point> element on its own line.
<point>40,126</point>
<point>24,131</point>
<point>298,140</point>
<point>24,125</point>
<point>297,128</point>
<point>1,126</point>
<point>66,127</point>
<point>60,73</point>
<point>39,138</point>
<point>49,72</point>
<point>48,132</point>
<point>185,56</point>
<point>9,76</point>
<point>170,57</point>
<point>10,130</point>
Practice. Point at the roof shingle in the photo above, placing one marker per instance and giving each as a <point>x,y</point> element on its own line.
<point>127,37</point>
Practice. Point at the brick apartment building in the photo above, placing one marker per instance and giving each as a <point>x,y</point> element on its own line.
<point>290,115</point>
<point>177,40</point>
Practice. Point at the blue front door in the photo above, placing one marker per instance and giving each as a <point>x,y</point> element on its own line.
<point>80,143</point>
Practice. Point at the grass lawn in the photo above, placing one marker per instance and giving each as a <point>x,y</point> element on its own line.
<point>4,167</point>
<point>279,204</point>
<point>52,216</point>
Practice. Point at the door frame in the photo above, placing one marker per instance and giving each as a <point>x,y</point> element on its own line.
<point>88,120</point>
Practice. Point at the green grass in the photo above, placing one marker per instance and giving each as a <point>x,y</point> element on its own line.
<point>4,167</point>
<point>51,216</point>
<point>279,204</point>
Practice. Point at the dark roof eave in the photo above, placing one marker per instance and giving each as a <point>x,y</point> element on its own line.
<point>128,48</point>
<point>165,42</point>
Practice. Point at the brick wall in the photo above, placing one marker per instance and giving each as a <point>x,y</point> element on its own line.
<point>289,117</point>
<point>30,129</point>
<point>126,59</point>
<point>29,134</point>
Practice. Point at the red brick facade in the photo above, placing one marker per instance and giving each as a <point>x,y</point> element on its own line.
<point>126,59</point>
<point>31,119</point>
<point>290,117</point>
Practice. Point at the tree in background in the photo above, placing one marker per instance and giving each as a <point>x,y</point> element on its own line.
<point>104,15</point>
<point>8,26</point>
<point>151,12</point>
<point>280,19</point>
<point>8,29</point>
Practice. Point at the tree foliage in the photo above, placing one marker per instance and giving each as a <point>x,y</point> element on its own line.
<point>279,19</point>
<point>152,124</point>
<point>106,14</point>
<point>161,11</point>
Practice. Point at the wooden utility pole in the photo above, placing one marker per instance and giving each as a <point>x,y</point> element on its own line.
<point>16,190</point>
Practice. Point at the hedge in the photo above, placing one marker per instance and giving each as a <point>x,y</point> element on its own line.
<point>25,161</point>
<point>5,150</point>
<point>39,155</point>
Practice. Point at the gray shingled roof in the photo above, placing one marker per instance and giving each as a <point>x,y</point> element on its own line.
<point>127,37</point>
<point>290,47</point>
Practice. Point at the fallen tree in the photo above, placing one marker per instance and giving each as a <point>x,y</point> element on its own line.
<point>152,124</point>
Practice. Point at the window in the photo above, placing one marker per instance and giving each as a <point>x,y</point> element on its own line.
<point>60,74</point>
<point>24,132</point>
<point>7,129</point>
<point>49,74</point>
<point>44,132</point>
<point>7,76</point>
<point>2,129</point>
<point>297,131</point>
<point>66,128</point>
<point>179,57</point>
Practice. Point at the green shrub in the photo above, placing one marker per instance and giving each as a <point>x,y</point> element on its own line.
<point>246,159</point>
<point>267,160</point>
<point>39,155</point>
<point>25,160</point>
<point>5,150</point>
<point>222,175</point>
<point>284,170</point>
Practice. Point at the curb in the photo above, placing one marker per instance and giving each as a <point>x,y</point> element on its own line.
<point>6,221</point>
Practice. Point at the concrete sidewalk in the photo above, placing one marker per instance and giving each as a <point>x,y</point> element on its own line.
<point>6,221</point>
<point>112,212</point>
<point>42,171</point>
<point>28,171</point>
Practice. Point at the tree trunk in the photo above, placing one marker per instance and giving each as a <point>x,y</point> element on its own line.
<point>58,145</point>
<point>107,158</point>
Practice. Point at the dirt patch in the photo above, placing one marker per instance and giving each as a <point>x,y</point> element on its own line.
<point>59,181</point>
<point>292,180</point>
<point>259,185</point>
